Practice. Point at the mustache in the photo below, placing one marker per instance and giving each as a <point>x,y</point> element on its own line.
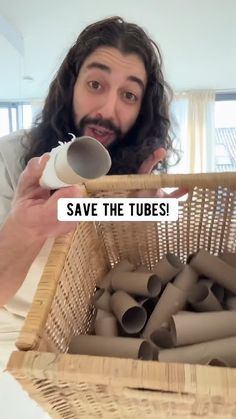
<point>104,123</point>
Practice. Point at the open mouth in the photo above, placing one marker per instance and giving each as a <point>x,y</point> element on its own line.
<point>103,135</point>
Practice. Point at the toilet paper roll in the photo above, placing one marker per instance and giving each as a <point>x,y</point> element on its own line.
<point>202,298</point>
<point>230,303</point>
<point>129,313</point>
<point>168,267</point>
<point>229,258</point>
<point>189,258</point>
<point>163,338</point>
<point>172,300</point>
<point>217,362</point>
<point>111,346</point>
<point>200,353</point>
<point>191,328</point>
<point>137,283</point>
<point>147,303</point>
<point>186,278</point>
<point>75,162</point>
<point>214,268</point>
<point>101,299</point>
<point>122,266</point>
<point>142,268</point>
<point>105,324</point>
<point>217,289</point>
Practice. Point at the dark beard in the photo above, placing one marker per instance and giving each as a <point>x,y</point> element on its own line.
<point>105,123</point>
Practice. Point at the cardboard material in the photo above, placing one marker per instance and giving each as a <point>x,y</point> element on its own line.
<point>101,299</point>
<point>111,346</point>
<point>171,301</point>
<point>202,298</point>
<point>142,268</point>
<point>186,278</point>
<point>217,362</point>
<point>215,288</point>
<point>147,303</point>
<point>105,324</point>
<point>201,353</point>
<point>229,258</point>
<point>75,162</point>
<point>163,338</point>
<point>168,267</point>
<point>230,303</point>
<point>122,266</point>
<point>136,283</point>
<point>131,315</point>
<point>189,328</point>
<point>214,268</point>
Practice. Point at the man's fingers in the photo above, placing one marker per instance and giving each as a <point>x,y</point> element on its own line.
<point>148,164</point>
<point>32,173</point>
<point>75,191</point>
<point>177,193</point>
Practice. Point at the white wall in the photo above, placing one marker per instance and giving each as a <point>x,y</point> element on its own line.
<point>197,39</point>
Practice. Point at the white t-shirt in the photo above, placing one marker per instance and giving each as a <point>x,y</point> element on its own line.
<point>13,314</point>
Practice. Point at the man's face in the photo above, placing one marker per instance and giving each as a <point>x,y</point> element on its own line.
<point>108,94</point>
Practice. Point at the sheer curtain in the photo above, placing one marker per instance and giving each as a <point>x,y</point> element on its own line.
<point>194,113</point>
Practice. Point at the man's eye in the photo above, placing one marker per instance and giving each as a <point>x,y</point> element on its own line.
<point>95,85</point>
<point>130,97</point>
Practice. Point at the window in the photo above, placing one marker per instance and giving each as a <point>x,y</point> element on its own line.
<point>14,116</point>
<point>5,121</point>
<point>225,132</point>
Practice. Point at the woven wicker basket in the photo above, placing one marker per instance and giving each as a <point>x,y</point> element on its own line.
<point>74,386</point>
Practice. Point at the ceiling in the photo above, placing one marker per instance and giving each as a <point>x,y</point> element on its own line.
<point>197,39</point>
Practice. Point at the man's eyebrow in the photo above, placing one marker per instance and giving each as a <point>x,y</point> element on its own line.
<point>138,81</point>
<point>100,66</point>
<point>106,68</point>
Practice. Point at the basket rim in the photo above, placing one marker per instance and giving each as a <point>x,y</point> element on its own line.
<point>198,380</point>
<point>152,181</point>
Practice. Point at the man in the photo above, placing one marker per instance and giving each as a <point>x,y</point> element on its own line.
<point>111,87</point>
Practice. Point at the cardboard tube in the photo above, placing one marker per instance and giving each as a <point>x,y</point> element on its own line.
<point>172,300</point>
<point>200,353</point>
<point>217,289</point>
<point>202,299</point>
<point>189,258</point>
<point>186,278</point>
<point>101,299</point>
<point>129,313</point>
<point>163,338</point>
<point>122,266</point>
<point>190,328</point>
<point>111,346</point>
<point>105,324</point>
<point>230,303</point>
<point>229,258</point>
<point>214,268</point>
<point>217,362</point>
<point>148,304</point>
<point>75,162</point>
<point>142,268</point>
<point>167,268</point>
<point>137,283</point>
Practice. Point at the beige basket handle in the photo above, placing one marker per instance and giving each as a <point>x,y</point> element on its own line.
<point>132,182</point>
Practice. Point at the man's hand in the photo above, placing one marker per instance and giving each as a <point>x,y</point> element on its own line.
<point>147,168</point>
<point>32,219</point>
<point>33,210</point>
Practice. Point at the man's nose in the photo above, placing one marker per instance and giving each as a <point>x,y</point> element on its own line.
<point>108,109</point>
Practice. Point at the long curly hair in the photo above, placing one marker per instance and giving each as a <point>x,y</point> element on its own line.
<point>152,127</point>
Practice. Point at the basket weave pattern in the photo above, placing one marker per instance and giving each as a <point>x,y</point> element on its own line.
<point>73,386</point>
